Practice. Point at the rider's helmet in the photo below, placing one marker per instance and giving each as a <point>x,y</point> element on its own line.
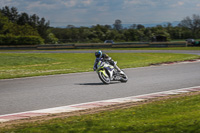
<point>98,54</point>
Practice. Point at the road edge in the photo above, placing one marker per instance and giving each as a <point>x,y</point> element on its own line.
<point>91,105</point>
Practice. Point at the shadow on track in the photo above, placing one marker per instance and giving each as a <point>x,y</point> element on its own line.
<point>96,83</point>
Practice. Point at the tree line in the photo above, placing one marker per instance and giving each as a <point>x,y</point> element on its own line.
<point>13,23</point>
<point>189,27</point>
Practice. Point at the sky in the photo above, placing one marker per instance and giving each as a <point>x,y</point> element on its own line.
<point>93,12</point>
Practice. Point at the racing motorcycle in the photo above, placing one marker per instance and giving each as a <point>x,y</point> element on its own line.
<point>108,73</point>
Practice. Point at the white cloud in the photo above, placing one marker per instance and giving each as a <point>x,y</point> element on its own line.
<point>137,3</point>
<point>70,3</point>
<point>87,2</point>
<point>102,9</point>
<point>178,4</point>
<point>75,3</point>
<point>4,3</point>
<point>106,11</point>
<point>162,4</point>
<point>132,2</point>
<point>40,5</point>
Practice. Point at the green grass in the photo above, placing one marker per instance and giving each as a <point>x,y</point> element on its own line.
<point>168,116</point>
<point>15,65</point>
<point>168,48</point>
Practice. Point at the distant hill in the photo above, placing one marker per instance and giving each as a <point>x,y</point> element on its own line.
<point>175,23</point>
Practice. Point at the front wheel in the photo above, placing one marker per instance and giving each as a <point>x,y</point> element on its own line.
<point>124,78</point>
<point>105,79</point>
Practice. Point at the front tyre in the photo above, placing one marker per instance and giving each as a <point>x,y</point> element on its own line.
<point>105,79</point>
<point>124,78</point>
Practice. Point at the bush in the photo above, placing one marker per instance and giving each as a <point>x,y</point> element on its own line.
<point>20,40</point>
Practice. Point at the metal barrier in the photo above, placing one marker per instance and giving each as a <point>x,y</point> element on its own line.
<point>94,46</point>
<point>58,46</point>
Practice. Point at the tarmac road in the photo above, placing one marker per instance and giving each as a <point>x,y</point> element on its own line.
<point>26,94</point>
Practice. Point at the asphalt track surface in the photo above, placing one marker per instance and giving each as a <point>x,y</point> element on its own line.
<point>26,94</point>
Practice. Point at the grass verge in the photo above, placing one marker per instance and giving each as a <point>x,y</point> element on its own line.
<point>180,114</point>
<point>167,48</point>
<point>16,65</point>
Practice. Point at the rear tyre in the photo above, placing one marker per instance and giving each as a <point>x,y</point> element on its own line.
<point>104,79</point>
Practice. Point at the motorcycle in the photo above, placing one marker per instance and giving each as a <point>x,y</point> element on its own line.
<point>108,73</point>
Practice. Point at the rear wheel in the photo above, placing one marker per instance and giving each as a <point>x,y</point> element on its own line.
<point>105,79</point>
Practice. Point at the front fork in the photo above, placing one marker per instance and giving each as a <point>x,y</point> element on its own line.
<point>118,69</point>
<point>103,71</point>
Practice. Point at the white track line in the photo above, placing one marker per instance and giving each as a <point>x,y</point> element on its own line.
<point>95,104</point>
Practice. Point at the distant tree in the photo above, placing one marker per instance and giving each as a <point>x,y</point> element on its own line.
<point>140,26</point>
<point>99,32</point>
<point>11,13</point>
<point>118,25</point>
<point>70,26</point>
<point>34,20</point>
<point>24,19</point>
<point>51,38</point>
<point>3,21</point>
<point>131,35</point>
<point>9,28</point>
<point>109,27</point>
<point>168,27</point>
<point>133,26</point>
<point>148,34</point>
<point>22,30</point>
<point>193,24</point>
<point>178,33</point>
<point>42,27</point>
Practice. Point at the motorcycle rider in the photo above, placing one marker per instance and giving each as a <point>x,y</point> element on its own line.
<point>101,56</point>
